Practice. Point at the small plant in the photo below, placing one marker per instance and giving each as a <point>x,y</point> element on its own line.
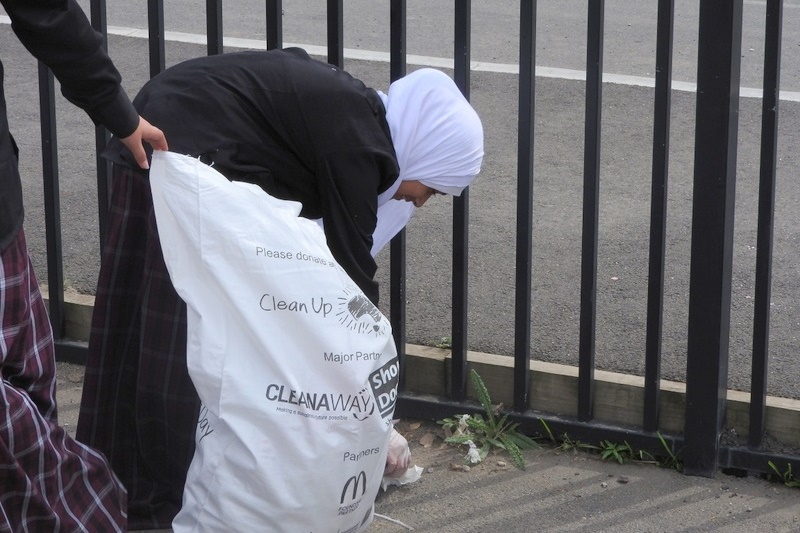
<point>625,452</point>
<point>611,450</point>
<point>566,443</point>
<point>445,343</point>
<point>484,434</point>
<point>672,461</point>
<point>787,477</point>
<point>614,450</point>
<point>549,431</point>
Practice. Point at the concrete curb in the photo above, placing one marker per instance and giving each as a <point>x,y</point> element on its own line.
<point>618,397</point>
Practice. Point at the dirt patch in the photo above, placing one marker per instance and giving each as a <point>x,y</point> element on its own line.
<point>430,452</point>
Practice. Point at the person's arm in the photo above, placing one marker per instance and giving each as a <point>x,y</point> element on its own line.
<point>349,196</point>
<point>58,34</point>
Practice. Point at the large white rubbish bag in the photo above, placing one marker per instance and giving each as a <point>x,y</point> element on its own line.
<point>296,369</point>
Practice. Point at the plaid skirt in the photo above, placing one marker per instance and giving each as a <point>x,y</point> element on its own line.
<point>51,482</point>
<point>139,406</point>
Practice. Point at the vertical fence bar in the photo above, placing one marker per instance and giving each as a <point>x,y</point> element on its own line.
<point>155,26</point>
<point>766,210</point>
<point>101,136</point>
<point>658,213</point>
<point>397,248</point>
<point>524,269</point>
<point>274,10</point>
<point>718,63</point>
<point>336,32</point>
<point>591,207</point>
<point>214,26</point>
<point>458,377</point>
<point>52,204</point>
<point>397,39</point>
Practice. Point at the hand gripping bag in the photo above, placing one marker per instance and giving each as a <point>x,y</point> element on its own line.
<point>296,369</point>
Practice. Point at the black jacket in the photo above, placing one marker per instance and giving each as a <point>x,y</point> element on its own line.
<point>57,33</point>
<point>301,129</point>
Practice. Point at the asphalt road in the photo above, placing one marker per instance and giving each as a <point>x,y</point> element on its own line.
<point>558,151</point>
<point>629,42</point>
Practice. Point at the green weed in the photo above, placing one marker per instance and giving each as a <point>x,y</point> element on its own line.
<point>672,460</point>
<point>488,431</point>
<point>621,453</point>
<point>607,449</point>
<point>565,443</point>
<point>787,477</point>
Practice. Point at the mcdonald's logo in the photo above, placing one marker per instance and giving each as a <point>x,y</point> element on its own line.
<point>356,481</point>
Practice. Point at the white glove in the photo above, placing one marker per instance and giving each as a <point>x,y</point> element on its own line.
<point>398,456</point>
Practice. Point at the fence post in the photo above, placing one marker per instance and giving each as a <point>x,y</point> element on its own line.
<point>397,249</point>
<point>591,208</point>
<point>101,134</point>
<point>524,255</point>
<point>719,59</point>
<point>460,285</point>
<point>214,36</point>
<point>274,10</point>
<point>766,210</point>
<point>155,26</point>
<point>52,199</point>
<point>658,213</point>
<point>335,11</point>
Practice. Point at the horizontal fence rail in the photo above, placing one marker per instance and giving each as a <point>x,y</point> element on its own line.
<point>720,34</point>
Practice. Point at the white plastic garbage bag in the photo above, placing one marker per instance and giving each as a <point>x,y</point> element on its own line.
<point>296,369</point>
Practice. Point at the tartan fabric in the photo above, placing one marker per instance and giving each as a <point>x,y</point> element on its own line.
<point>139,406</point>
<point>50,482</point>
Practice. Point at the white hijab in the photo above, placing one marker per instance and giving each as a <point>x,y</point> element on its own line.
<point>438,139</point>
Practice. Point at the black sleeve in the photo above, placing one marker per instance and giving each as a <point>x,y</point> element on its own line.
<point>350,181</point>
<point>58,34</point>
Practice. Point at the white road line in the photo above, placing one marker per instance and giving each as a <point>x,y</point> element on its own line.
<point>428,61</point>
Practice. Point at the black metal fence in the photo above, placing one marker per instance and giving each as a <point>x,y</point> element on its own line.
<point>719,43</point>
